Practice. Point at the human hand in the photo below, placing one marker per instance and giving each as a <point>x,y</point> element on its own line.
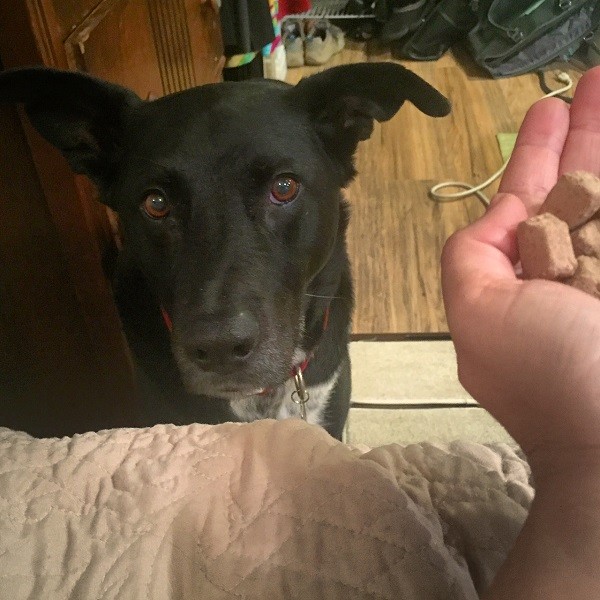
<point>529,351</point>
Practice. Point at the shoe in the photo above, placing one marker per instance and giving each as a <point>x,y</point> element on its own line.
<point>322,41</point>
<point>293,42</point>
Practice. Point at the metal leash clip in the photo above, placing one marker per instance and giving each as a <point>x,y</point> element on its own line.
<point>300,396</point>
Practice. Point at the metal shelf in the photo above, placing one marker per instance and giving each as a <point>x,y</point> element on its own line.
<point>328,9</point>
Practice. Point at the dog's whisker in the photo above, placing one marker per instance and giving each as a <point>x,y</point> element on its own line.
<point>325,297</point>
<point>148,160</point>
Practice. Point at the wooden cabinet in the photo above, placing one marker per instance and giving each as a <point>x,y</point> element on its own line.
<point>64,364</point>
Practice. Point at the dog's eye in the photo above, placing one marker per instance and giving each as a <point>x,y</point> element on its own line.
<point>284,190</point>
<point>155,205</point>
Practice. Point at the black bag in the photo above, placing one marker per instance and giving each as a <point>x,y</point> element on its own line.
<point>445,25</point>
<point>517,36</point>
<point>592,47</point>
<point>401,17</point>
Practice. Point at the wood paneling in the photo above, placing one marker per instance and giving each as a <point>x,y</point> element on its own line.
<point>115,42</point>
<point>63,351</point>
<point>52,379</point>
<point>204,28</point>
<point>155,47</point>
<point>64,364</point>
<point>70,13</point>
<point>396,232</point>
<point>173,46</point>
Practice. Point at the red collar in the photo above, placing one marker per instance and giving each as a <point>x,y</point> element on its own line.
<point>167,319</point>
<point>302,366</point>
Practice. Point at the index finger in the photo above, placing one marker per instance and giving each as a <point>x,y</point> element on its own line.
<point>534,164</point>
<point>582,147</point>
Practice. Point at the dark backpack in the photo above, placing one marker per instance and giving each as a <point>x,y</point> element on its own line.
<point>444,25</point>
<point>592,49</point>
<point>513,37</point>
<point>401,18</point>
<point>505,37</point>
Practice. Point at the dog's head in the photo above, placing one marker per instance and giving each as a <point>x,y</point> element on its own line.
<point>229,196</point>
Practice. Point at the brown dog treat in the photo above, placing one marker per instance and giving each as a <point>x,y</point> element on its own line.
<point>586,239</point>
<point>587,275</point>
<point>574,199</point>
<point>545,248</point>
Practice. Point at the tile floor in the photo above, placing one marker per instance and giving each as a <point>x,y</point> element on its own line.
<point>408,391</point>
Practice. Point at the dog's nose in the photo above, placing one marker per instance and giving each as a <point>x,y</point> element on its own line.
<point>228,344</point>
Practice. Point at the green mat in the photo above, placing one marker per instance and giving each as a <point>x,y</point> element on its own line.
<point>506,141</point>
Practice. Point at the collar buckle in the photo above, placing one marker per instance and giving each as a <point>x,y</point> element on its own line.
<point>300,395</point>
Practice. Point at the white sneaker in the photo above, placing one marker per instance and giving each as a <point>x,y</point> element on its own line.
<point>323,40</point>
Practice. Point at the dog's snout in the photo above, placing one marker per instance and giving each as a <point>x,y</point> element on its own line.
<point>229,343</point>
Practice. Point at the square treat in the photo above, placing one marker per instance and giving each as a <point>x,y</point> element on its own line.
<point>574,199</point>
<point>545,248</point>
<point>587,275</point>
<point>586,239</point>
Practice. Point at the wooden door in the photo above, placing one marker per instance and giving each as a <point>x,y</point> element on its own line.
<point>64,364</point>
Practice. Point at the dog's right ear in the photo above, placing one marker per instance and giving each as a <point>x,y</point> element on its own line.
<point>82,116</point>
<point>344,101</point>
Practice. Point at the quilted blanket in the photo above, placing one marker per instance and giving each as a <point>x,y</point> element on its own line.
<point>261,510</point>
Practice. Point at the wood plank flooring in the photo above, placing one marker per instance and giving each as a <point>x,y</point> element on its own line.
<point>397,232</point>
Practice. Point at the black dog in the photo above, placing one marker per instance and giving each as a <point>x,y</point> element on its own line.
<point>234,282</point>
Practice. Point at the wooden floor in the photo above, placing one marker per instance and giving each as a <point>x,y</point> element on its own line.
<point>397,232</point>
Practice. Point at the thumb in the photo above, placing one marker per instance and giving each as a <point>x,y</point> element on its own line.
<point>482,252</point>
<point>497,227</point>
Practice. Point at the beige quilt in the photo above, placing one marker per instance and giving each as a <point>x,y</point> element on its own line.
<point>262,510</point>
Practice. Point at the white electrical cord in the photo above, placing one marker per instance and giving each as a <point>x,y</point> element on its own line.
<point>469,189</point>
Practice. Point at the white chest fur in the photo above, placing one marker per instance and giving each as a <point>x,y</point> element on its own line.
<point>282,406</point>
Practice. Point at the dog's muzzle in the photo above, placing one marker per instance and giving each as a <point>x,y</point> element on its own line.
<point>227,346</point>
<point>228,358</point>
<point>223,347</point>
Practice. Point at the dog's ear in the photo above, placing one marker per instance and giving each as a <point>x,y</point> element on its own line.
<point>82,116</point>
<point>344,100</point>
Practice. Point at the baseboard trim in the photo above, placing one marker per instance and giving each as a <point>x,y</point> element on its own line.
<point>399,337</point>
<point>407,406</point>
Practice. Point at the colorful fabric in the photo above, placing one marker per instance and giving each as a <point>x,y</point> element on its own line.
<point>270,48</point>
<point>239,60</point>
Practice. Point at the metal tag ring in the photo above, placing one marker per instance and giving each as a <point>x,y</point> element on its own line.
<point>296,399</point>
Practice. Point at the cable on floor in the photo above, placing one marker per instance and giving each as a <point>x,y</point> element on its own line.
<point>471,190</point>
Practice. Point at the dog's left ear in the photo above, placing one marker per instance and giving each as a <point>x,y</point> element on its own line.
<point>345,100</point>
<point>82,116</point>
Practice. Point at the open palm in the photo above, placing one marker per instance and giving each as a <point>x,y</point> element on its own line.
<point>529,351</point>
